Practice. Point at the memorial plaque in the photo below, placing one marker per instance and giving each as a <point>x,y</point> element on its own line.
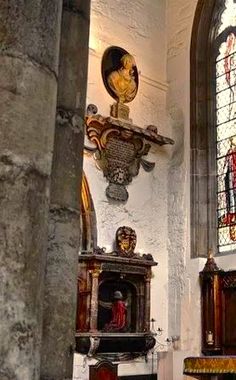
<point>120,150</point>
<point>119,154</point>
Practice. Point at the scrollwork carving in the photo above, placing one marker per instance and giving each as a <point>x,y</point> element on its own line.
<point>94,344</point>
<point>119,153</point>
<point>95,273</point>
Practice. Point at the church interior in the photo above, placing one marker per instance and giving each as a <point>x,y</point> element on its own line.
<point>118,190</point>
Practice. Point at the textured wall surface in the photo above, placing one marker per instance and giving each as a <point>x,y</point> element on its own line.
<point>184,292</point>
<point>139,29</point>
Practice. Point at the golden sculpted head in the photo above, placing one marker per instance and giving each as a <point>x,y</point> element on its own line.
<point>127,61</point>
<point>122,81</point>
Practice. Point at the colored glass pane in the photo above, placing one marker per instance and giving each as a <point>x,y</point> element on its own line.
<point>226,136</point>
<point>228,16</point>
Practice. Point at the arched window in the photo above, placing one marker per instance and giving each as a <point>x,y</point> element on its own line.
<point>213,127</point>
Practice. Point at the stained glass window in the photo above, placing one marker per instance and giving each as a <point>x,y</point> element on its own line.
<point>226,130</point>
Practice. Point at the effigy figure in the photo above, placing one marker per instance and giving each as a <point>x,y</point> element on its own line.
<point>122,81</point>
<point>119,313</point>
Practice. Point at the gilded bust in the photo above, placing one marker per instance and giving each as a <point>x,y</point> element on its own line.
<point>122,81</point>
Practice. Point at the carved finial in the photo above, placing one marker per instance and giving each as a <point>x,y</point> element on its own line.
<point>210,265</point>
<point>210,253</point>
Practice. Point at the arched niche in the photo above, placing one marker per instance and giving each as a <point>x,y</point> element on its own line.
<point>129,291</point>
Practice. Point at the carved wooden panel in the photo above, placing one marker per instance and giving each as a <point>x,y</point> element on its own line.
<point>229,312</point>
<point>103,370</point>
<point>218,289</point>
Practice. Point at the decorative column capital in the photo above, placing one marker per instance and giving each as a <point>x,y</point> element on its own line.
<point>95,272</point>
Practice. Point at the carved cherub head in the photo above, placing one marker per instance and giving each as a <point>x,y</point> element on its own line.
<point>126,239</point>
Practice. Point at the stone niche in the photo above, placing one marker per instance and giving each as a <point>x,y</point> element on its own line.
<point>113,315</point>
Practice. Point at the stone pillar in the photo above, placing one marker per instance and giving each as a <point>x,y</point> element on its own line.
<point>29,49</point>
<point>94,299</point>
<point>64,234</point>
<point>147,303</point>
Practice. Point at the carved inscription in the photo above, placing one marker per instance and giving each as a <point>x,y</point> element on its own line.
<point>120,151</point>
<point>120,155</point>
<point>123,268</point>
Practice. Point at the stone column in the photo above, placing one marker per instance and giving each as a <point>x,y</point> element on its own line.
<point>147,303</point>
<point>29,49</point>
<point>64,234</point>
<point>94,299</point>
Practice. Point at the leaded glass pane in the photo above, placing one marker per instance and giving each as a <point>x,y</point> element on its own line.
<point>228,17</point>
<point>226,138</point>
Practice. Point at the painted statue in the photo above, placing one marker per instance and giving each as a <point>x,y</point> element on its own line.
<point>118,308</point>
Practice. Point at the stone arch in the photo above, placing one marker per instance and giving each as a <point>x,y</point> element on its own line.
<point>202,131</point>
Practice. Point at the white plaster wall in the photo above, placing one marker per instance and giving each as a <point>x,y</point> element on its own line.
<point>184,291</point>
<point>179,20</point>
<point>140,29</point>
